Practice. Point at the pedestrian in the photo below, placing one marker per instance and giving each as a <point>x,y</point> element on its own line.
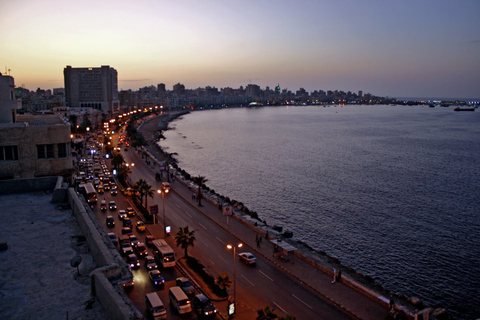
<point>266,235</point>
<point>257,240</point>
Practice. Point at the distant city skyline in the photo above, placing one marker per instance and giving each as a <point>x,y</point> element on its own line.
<point>404,49</point>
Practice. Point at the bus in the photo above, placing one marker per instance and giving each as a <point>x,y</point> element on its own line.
<point>90,193</point>
<point>164,254</point>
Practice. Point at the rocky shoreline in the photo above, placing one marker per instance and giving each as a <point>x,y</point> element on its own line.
<point>153,128</point>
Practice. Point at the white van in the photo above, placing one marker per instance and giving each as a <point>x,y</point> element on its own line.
<point>155,306</point>
<point>179,300</point>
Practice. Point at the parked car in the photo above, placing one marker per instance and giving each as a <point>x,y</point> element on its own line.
<point>150,263</point>
<point>140,226</point>
<point>247,257</point>
<point>113,237</point>
<point>122,214</point>
<point>112,205</point>
<point>133,261</point>
<point>203,307</point>
<point>156,277</point>
<point>110,222</point>
<point>185,284</point>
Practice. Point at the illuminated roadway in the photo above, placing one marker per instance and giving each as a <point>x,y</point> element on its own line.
<point>257,286</point>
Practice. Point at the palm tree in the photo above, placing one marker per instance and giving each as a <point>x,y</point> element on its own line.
<point>149,192</point>
<point>124,172</point>
<point>141,187</point>
<point>223,281</point>
<point>185,238</point>
<point>200,181</point>
<point>288,317</point>
<point>266,314</point>
<point>117,161</point>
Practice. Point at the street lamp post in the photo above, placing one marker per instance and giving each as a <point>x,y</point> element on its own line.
<point>163,191</point>
<point>229,246</point>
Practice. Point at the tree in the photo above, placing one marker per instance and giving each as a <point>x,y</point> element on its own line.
<point>144,189</point>
<point>266,314</point>
<point>288,317</point>
<point>200,181</point>
<point>223,281</point>
<point>185,238</point>
<point>118,161</point>
<point>149,192</point>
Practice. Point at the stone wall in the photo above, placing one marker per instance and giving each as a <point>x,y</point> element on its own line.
<point>27,185</point>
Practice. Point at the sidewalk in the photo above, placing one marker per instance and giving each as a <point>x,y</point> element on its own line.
<point>353,298</point>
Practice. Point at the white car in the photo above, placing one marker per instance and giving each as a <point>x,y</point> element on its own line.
<point>247,257</point>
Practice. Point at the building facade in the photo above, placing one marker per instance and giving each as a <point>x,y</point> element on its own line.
<point>31,145</point>
<point>95,88</point>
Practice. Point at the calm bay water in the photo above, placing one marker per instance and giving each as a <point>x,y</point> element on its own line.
<point>391,191</point>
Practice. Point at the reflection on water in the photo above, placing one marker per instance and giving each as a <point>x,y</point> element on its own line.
<point>390,191</point>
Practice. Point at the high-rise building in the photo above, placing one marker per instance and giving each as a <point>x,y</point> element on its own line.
<point>95,88</point>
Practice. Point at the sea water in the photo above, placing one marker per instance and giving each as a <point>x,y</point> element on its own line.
<point>391,191</point>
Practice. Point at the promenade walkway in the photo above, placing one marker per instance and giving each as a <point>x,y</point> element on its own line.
<point>353,298</point>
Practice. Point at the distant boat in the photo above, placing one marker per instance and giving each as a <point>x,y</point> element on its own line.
<point>463,109</point>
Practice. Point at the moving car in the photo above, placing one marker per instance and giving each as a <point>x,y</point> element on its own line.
<point>133,240</point>
<point>122,214</point>
<point>203,307</point>
<point>127,223</point>
<point>130,212</point>
<point>103,205</point>
<point>185,284</point>
<point>110,222</point>
<point>141,249</point>
<point>114,190</point>
<point>133,261</point>
<point>112,205</point>
<point>149,240</point>
<point>113,237</point>
<point>156,277</point>
<point>247,257</point>
<point>150,263</point>
<point>140,226</point>
<point>127,231</point>
<point>126,249</point>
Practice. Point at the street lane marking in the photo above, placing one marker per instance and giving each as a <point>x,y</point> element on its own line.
<point>201,225</point>
<point>206,245</point>
<point>176,204</point>
<point>188,214</point>
<point>248,280</point>
<point>212,262</point>
<point>266,276</point>
<point>301,301</point>
<point>278,306</point>
<point>221,241</point>
<point>223,259</point>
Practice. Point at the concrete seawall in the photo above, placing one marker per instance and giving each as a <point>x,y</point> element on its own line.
<point>112,272</point>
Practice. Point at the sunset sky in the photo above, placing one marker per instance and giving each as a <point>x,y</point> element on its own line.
<point>427,48</point>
